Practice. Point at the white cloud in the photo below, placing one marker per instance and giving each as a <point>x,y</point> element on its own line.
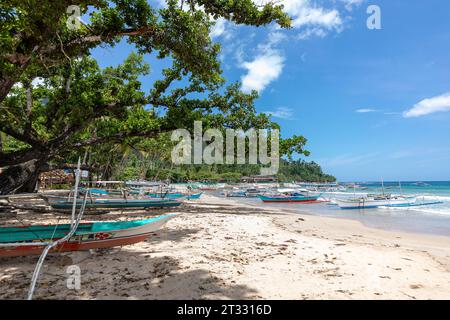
<point>309,18</point>
<point>282,113</point>
<point>304,13</point>
<point>427,106</point>
<point>262,70</point>
<point>18,85</point>
<point>311,32</point>
<point>365,110</point>
<point>276,37</point>
<point>37,82</point>
<point>265,67</point>
<point>218,29</point>
<point>349,4</point>
<point>222,28</point>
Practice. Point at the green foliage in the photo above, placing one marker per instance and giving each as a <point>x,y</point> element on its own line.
<point>9,144</point>
<point>159,167</point>
<point>77,105</point>
<point>103,115</point>
<point>35,33</point>
<point>292,145</point>
<point>301,170</point>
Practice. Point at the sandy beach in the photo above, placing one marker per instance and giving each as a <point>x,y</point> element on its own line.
<point>218,248</point>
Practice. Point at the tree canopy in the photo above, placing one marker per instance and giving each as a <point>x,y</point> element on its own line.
<point>56,102</point>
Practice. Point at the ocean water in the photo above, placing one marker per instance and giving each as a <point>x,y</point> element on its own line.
<point>430,219</point>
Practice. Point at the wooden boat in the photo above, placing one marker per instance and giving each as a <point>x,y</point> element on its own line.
<point>374,202</point>
<point>59,203</point>
<point>194,196</point>
<point>236,194</point>
<point>31,240</point>
<point>188,196</point>
<point>289,198</point>
<point>253,192</point>
<point>165,195</point>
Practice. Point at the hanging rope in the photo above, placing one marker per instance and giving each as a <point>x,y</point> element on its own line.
<point>74,225</point>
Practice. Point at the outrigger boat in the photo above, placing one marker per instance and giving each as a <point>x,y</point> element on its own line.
<point>179,195</point>
<point>194,196</point>
<point>165,195</point>
<point>254,192</point>
<point>289,195</point>
<point>293,198</point>
<point>105,199</point>
<point>236,194</point>
<point>375,202</point>
<point>31,240</point>
<point>61,203</point>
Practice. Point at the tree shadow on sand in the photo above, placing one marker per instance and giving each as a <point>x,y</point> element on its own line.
<point>229,209</point>
<point>169,234</point>
<point>118,275</point>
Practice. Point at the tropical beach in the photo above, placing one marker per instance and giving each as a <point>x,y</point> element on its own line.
<point>220,248</point>
<point>224,150</point>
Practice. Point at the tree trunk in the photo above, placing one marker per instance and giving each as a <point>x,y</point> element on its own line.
<point>20,178</point>
<point>23,178</point>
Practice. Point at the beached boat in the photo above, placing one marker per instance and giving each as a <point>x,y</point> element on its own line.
<point>62,203</point>
<point>374,202</point>
<point>194,196</point>
<point>188,196</point>
<point>31,240</point>
<point>253,192</point>
<point>165,195</point>
<point>289,198</point>
<point>236,194</point>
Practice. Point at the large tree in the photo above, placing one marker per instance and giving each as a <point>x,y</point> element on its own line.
<point>55,99</point>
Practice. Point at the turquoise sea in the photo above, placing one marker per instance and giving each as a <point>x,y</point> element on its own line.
<point>432,219</point>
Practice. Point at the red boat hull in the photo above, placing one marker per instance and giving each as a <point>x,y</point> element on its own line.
<point>73,246</point>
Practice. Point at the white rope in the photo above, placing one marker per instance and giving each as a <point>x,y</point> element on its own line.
<point>74,226</point>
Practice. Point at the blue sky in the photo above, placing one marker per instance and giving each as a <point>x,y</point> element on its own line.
<point>372,103</point>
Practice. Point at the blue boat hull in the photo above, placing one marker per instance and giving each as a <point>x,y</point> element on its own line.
<point>175,196</point>
<point>194,196</point>
<point>115,204</point>
<point>166,195</point>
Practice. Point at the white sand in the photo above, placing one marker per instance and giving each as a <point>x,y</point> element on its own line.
<point>217,248</point>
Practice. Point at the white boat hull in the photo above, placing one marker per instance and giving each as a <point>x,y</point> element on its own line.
<point>366,203</point>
